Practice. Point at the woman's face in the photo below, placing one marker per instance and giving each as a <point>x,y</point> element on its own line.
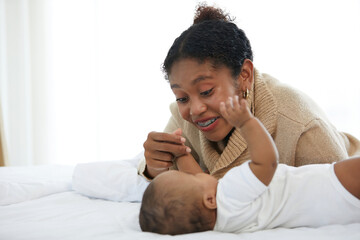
<point>199,88</point>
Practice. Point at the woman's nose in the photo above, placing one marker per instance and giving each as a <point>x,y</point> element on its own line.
<point>197,108</point>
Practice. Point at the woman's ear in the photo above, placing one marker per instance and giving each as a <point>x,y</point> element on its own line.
<point>246,77</point>
<point>209,200</point>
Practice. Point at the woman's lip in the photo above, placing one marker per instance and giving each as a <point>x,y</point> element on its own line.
<point>207,128</point>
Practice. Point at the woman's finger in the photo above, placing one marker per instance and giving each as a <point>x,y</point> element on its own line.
<point>166,137</point>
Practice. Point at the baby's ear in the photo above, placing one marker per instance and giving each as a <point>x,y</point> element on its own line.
<point>209,200</point>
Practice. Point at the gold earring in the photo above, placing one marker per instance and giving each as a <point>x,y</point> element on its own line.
<point>246,94</point>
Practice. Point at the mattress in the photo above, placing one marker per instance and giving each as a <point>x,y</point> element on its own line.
<point>102,201</point>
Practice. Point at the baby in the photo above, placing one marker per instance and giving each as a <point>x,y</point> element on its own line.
<point>259,194</point>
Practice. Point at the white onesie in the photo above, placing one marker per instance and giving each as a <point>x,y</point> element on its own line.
<point>307,196</point>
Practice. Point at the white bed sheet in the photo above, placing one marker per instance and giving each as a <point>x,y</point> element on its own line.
<point>18,184</point>
<point>69,215</point>
<point>57,212</point>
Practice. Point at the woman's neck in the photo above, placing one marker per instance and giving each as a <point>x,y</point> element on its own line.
<point>220,146</point>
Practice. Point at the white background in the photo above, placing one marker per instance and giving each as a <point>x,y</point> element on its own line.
<point>103,89</point>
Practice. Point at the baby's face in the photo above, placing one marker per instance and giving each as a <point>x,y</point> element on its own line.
<point>204,181</point>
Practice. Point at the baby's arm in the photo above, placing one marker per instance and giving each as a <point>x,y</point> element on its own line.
<point>187,163</point>
<point>263,152</point>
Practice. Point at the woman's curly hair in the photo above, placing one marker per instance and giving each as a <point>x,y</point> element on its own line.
<point>213,37</point>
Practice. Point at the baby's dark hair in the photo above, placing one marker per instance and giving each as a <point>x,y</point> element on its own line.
<point>168,211</point>
<point>213,37</point>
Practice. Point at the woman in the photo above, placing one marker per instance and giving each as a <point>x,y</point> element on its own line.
<point>206,64</point>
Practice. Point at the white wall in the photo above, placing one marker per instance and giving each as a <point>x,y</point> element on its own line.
<point>105,90</point>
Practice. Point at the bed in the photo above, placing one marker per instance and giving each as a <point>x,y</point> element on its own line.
<point>101,201</point>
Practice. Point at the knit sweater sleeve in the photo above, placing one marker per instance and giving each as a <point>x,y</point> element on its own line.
<point>320,143</point>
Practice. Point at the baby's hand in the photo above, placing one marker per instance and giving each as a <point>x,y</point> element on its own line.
<point>235,112</point>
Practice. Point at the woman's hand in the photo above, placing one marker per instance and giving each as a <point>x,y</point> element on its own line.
<point>160,150</point>
<point>235,112</point>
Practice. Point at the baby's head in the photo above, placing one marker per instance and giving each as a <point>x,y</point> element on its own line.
<point>176,203</point>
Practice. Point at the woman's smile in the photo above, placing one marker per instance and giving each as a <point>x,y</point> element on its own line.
<point>207,124</point>
<point>199,89</point>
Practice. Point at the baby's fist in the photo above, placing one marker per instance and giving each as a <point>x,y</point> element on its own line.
<point>235,112</point>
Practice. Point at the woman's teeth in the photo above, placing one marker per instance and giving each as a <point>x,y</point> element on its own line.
<point>206,123</point>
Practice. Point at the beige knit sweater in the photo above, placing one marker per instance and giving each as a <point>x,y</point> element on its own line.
<point>301,131</point>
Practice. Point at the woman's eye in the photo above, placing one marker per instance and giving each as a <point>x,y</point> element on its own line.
<point>207,92</point>
<point>182,100</point>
